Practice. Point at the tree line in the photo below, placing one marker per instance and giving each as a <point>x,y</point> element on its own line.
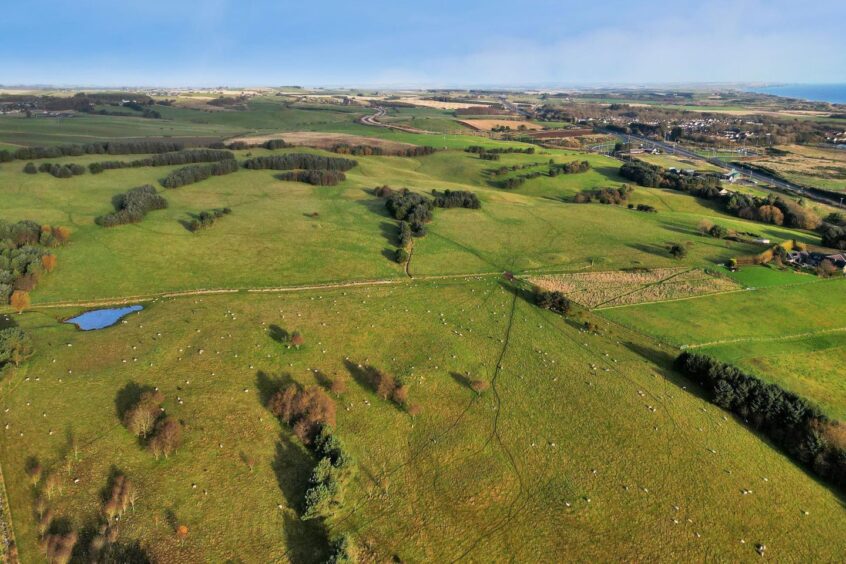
<point>314,177</point>
<point>310,413</point>
<point>132,206</point>
<point>99,148</point>
<point>189,156</point>
<point>478,149</point>
<point>787,419</point>
<point>24,257</point>
<point>573,167</point>
<point>304,161</point>
<point>195,173</point>
<point>366,150</point>
<point>58,170</point>
<point>833,231</point>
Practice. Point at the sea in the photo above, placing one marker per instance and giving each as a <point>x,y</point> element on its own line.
<point>834,93</point>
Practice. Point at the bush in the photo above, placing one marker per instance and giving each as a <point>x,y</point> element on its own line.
<point>196,173</point>
<point>677,250</point>
<point>132,206</point>
<point>553,301</point>
<point>30,168</point>
<point>15,346</point>
<point>207,218</point>
<point>401,256</point>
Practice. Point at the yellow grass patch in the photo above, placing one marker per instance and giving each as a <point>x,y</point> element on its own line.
<point>321,140</point>
<point>617,288</point>
<point>488,124</point>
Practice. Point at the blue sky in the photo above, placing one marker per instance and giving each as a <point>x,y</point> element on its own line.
<point>420,43</point>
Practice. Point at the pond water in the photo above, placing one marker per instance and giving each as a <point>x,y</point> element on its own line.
<point>101,318</point>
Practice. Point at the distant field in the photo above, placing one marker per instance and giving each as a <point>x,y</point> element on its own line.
<point>670,161</point>
<point>811,166</point>
<point>488,124</point>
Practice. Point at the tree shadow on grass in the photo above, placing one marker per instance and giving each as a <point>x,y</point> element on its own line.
<point>278,334</point>
<point>650,249</point>
<point>128,396</point>
<point>365,376</point>
<point>269,384</point>
<point>462,380</point>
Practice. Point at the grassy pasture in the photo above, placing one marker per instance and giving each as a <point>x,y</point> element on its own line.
<point>527,229</point>
<point>554,457</point>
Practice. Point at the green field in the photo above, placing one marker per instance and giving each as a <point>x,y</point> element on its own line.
<point>587,446</point>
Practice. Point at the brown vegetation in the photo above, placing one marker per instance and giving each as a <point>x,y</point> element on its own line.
<point>304,409</point>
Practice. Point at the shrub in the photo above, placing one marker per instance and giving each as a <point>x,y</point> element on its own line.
<point>30,168</point>
<point>401,256</point>
<point>20,299</point>
<point>15,346</point>
<point>132,206</point>
<point>196,173</point>
<point>553,301</point>
<point>677,250</point>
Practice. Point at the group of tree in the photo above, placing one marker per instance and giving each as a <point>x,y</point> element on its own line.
<point>206,218</point>
<point>553,301</point>
<point>15,346</point>
<point>313,177</point>
<point>787,419</point>
<point>299,161</point>
<point>132,206</point>
<point>506,169</point>
<point>409,206</point>
<point>614,196</point>
<point>305,410</point>
<point>196,173</point>
<point>58,170</point>
<point>643,208</point>
<point>188,156</point>
<point>333,468</point>
<point>270,144</point>
<point>772,209</point>
<point>573,167</point>
<point>99,148</point>
<point>367,150</point>
<point>456,199</point>
<point>833,231</point>
<point>478,149</point>
<point>161,433</point>
<point>24,257</point>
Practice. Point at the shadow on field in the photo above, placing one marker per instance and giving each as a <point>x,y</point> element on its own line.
<point>269,384</point>
<point>128,396</point>
<point>277,333</point>
<point>6,321</point>
<point>365,376</point>
<point>461,380</point>
<point>650,249</point>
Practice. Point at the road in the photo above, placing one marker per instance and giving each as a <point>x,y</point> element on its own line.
<point>373,120</point>
<point>754,175</point>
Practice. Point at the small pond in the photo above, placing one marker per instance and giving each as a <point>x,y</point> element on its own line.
<point>101,318</point>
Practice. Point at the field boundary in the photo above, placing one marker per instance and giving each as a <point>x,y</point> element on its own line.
<point>764,339</point>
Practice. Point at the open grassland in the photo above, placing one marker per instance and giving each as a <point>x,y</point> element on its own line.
<point>488,124</point>
<point>812,166</point>
<point>790,334</point>
<point>616,288</point>
<point>531,228</point>
<point>582,446</point>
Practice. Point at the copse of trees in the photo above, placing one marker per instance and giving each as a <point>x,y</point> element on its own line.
<point>499,150</point>
<point>207,218</point>
<point>455,199</point>
<point>24,248</point>
<point>15,346</point>
<point>57,170</point>
<point>604,195</point>
<point>313,177</point>
<point>329,475</point>
<point>553,301</point>
<point>196,173</point>
<point>146,419</point>
<point>409,206</point>
<point>573,167</point>
<point>303,161</point>
<point>833,231</point>
<point>190,156</point>
<point>305,410</point>
<point>132,206</point>
<point>786,418</point>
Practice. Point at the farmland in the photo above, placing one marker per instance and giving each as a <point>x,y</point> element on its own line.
<point>525,433</point>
